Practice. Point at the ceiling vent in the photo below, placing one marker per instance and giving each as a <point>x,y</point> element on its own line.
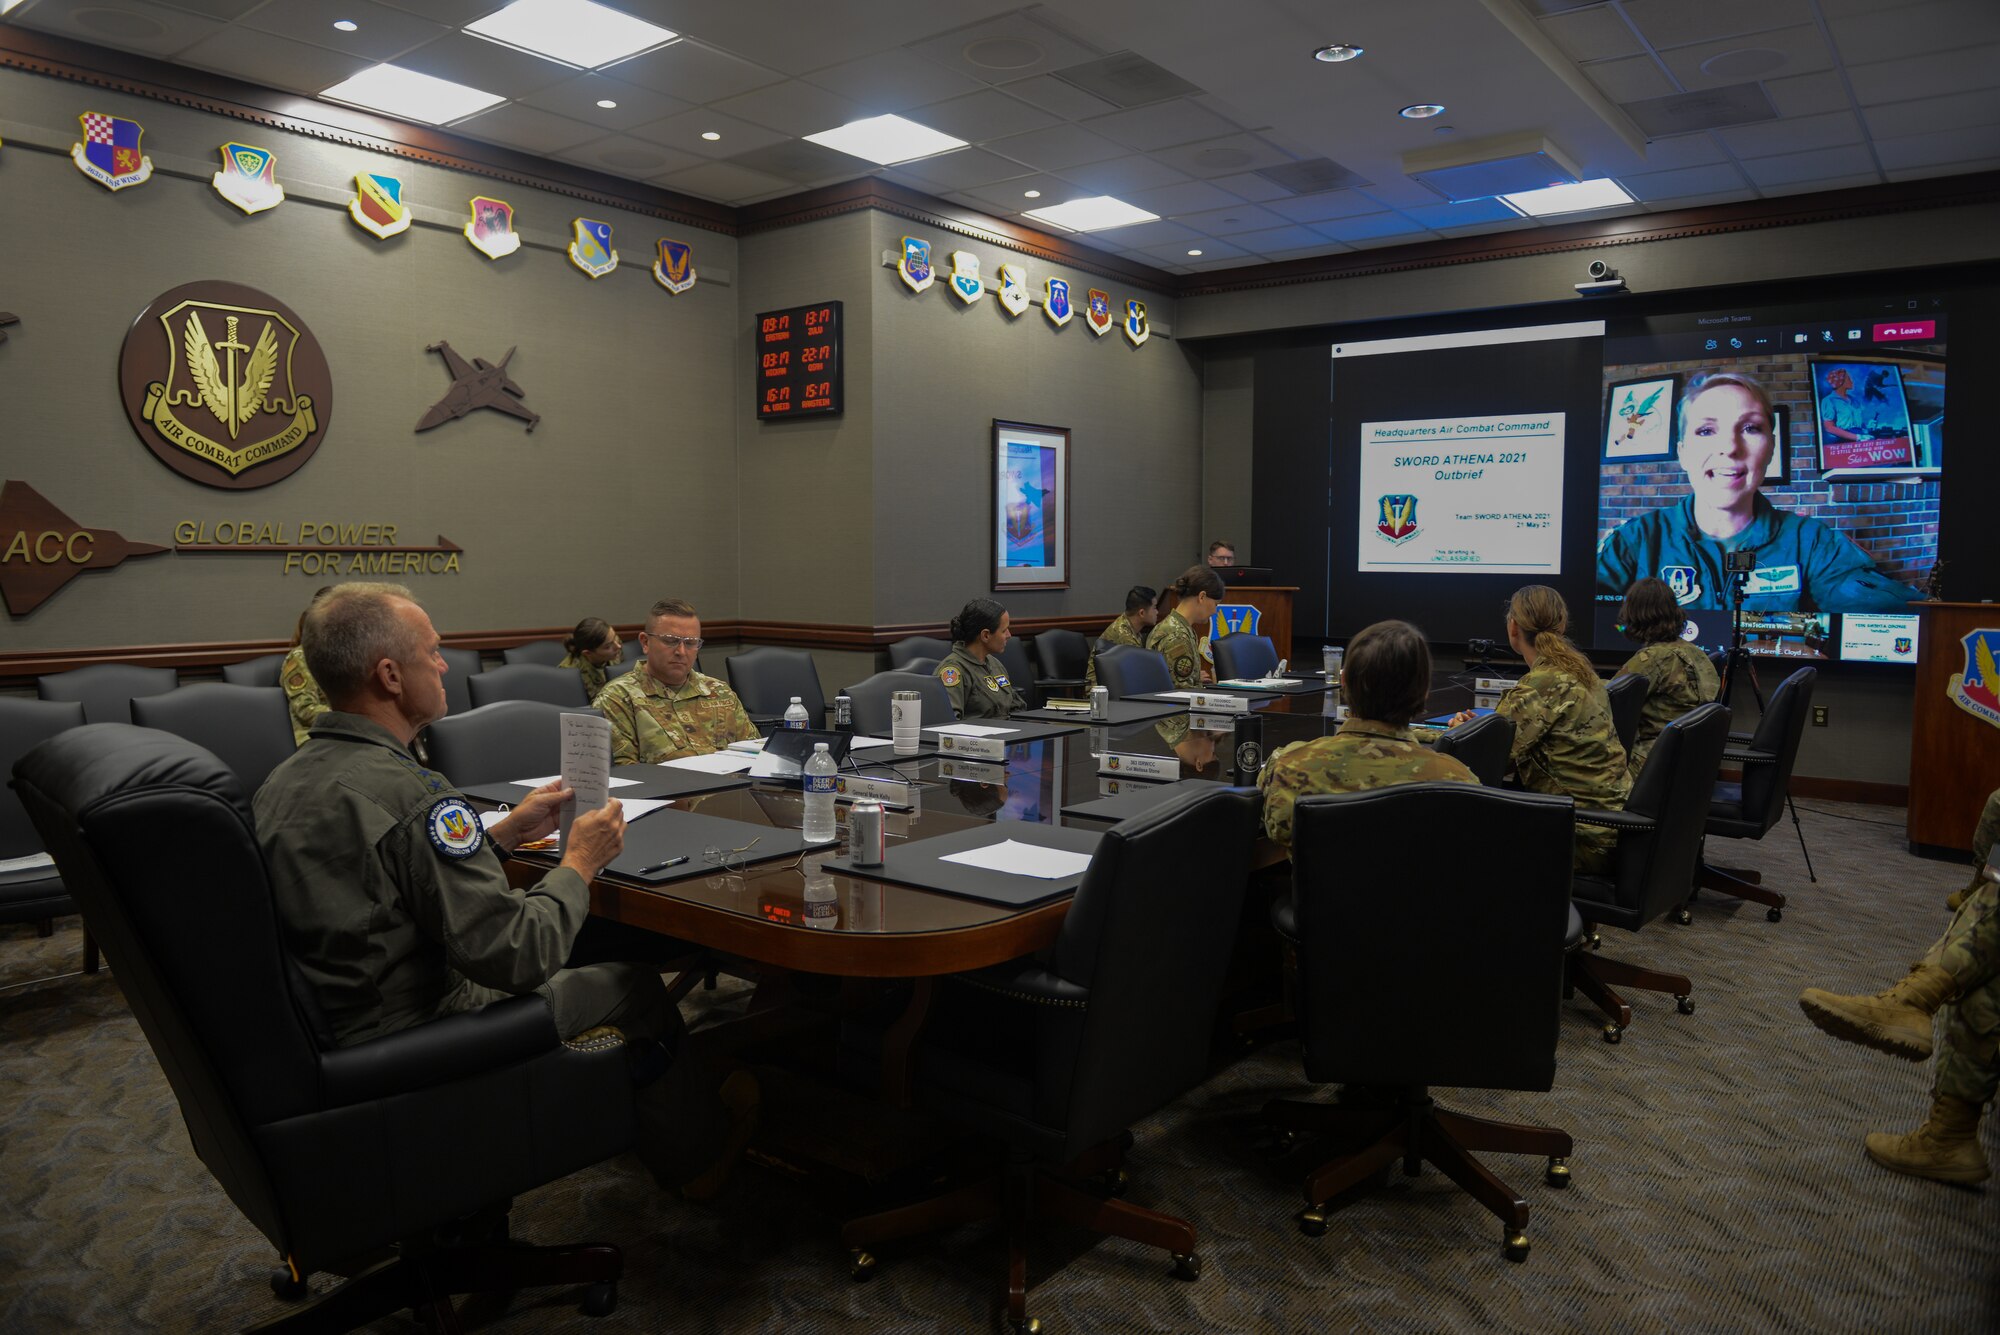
<point>1684,113</point>
<point>1483,168</point>
<point>1313,176</point>
<point>1126,80</point>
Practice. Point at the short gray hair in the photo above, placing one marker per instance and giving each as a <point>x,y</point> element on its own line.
<point>348,631</point>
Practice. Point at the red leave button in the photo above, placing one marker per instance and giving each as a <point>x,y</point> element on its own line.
<point>1908,329</point>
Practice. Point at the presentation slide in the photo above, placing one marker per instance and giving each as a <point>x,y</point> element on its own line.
<point>1458,493</point>
<point>1878,639</point>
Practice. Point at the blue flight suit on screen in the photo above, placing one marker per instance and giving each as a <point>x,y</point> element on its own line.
<point>1803,565</point>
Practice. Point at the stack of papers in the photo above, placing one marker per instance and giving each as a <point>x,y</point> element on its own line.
<point>1259,681</point>
<point>1019,859</point>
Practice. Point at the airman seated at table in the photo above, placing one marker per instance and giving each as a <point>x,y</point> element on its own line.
<point>1679,676</point>
<point>663,709</point>
<point>1178,636</point>
<point>1129,627</point>
<point>590,648</point>
<point>973,673</point>
<point>304,700</point>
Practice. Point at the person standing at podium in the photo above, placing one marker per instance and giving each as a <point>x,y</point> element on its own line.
<point>1221,554</point>
<point>1197,592</point>
<point>1128,627</point>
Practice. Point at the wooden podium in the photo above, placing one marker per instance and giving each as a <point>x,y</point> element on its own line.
<point>1274,614</point>
<point>1954,754</point>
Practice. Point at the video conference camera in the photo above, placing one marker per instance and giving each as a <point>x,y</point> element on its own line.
<point>1481,649</point>
<point>1739,563</point>
<point>1603,280</point>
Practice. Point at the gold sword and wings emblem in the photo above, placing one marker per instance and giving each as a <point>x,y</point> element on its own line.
<point>232,401</point>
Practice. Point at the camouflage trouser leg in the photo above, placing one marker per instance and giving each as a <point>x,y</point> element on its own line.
<point>1969,950</point>
<point>1968,1066</point>
<point>1984,837</point>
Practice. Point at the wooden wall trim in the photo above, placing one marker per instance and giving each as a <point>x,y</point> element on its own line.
<point>119,71</point>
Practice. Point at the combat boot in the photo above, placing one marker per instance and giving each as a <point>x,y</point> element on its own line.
<point>1945,1148</point>
<point>1896,1021</point>
<point>1956,899</point>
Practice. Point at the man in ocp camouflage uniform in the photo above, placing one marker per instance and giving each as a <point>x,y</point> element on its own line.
<point>663,709</point>
<point>1983,838</point>
<point>1129,627</point>
<point>1385,678</point>
<point>303,697</point>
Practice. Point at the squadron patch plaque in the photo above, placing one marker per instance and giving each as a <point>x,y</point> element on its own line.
<point>249,178</point>
<point>225,384</point>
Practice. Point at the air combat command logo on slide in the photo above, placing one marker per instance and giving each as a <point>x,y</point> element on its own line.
<point>1398,519</point>
<point>1976,690</point>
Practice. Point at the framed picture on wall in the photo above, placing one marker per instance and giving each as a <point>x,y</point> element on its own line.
<point>1778,472</point>
<point>1030,506</point>
<point>1639,418</point>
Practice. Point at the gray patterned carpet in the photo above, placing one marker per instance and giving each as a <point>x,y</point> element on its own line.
<point>1720,1182</point>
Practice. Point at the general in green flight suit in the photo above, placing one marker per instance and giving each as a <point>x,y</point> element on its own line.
<point>1129,627</point>
<point>663,709</point>
<point>972,672</point>
<point>591,648</point>
<point>1199,589</point>
<point>1679,675</point>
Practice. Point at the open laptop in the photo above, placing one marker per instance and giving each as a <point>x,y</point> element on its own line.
<point>786,751</point>
<point>1245,574</point>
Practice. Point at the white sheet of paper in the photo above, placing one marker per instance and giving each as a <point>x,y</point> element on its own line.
<point>1259,681</point>
<point>774,767</point>
<point>715,762</point>
<point>635,807</point>
<point>972,730</point>
<point>867,743</point>
<point>586,764</point>
<point>1019,859</point>
<point>1170,695</point>
<point>749,748</point>
<point>32,862</point>
<point>614,781</point>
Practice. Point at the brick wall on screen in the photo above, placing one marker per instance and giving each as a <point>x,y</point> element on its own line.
<point>1896,523</point>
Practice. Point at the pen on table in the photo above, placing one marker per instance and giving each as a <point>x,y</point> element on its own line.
<point>662,866</point>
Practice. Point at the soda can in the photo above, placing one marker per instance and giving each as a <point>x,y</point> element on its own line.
<point>865,843</point>
<point>843,714</point>
<point>1249,748</point>
<point>1100,703</point>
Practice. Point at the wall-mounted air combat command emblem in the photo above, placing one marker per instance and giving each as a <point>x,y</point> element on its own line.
<point>225,384</point>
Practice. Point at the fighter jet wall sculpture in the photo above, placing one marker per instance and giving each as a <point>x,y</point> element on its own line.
<point>476,384</point>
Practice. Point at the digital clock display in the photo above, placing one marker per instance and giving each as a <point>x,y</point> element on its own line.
<point>798,361</point>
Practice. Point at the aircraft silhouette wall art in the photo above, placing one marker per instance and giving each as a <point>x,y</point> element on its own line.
<point>476,384</point>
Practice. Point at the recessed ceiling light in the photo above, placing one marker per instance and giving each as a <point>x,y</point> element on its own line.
<point>1194,252</point>
<point>1031,194</point>
<point>1422,111</point>
<point>1338,52</point>
<point>413,96</point>
<point>607,104</point>
<point>885,139</point>
<point>1092,215</point>
<point>1573,197</point>
<point>710,135</point>
<point>575,32</point>
<point>345,25</point>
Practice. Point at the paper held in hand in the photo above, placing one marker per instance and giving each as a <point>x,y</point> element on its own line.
<point>586,765</point>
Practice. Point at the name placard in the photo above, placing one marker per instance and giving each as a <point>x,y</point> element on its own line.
<point>971,771</point>
<point>1219,702</point>
<point>1127,766</point>
<point>889,792</point>
<point>978,748</point>
<point>1212,723</point>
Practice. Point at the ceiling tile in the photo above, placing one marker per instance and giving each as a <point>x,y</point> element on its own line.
<point>1159,233</point>
<point>1325,247</point>
<point>1464,214</point>
<point>1057,147</point>
<point>1916,30</point>
<point>1799,50</point>
<point>891,81</point>
<point>217,9</point>
<point>1678,22</point>
<point>962,169</point>
<point>1947,169</point>
<point>1187,197</point>
<point>1212,251</point>
<point>1716,178</point>
<point>1162,125</point>
<point>1482,229</point>
<point>1369,227</point>
<point>470,60</point>
<point>1813,185</point>
<point>1005,49</point>
<point>1789,168</point>
<point>800,162</point>
<point>1941,146</point>
<point>982,115</point>
<point>1808,94</point>
<point>800,35</point>
<point>1698,201</point>
<point>1251,186</point>
<point>1592,34</point>
<point>1276,239</point>
<point>382,34</point>
<point>684,131</point>
<point>794,108</point>
<point>1792,136</point>
<point>692,72</point>
<point>276,61</point>
<point>1684,150</point>
<point>525,128</point>
<point>1124,176</point>
<point>1231,219</point>
<point>721,181</point>
<point>1058,98</point>
<point>134,25</point>
<point>1317,208</point>
<point>578,97</point>
<point>1223,157</point>
<point>452,13</point>
<point>622,155</point>
<point>1010,197</point>
<point>1630,80</point>
<point>1930,114</point>
<point>1961,71</point>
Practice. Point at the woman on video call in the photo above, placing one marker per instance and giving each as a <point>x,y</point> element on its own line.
<point>1803,565</point>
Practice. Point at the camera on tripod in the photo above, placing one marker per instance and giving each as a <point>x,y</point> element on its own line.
<point>1481,649</point>
<point>1739,563</point>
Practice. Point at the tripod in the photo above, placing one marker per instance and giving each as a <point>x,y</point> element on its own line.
<point>1739,883</point>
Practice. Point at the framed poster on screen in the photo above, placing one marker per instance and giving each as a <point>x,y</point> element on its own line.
<point>1030,506</point>
<point>1639,418</point>
<point>1863,419</point>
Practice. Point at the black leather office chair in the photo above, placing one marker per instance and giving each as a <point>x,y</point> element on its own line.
<point>261,671</point>
<point>1482,745</point>
<point>919,667</point>
<point>542,653</point>
<point>917,646</point>
<point>461,666</point>
<point>1628,700</point>
<point>33,894</point>
<point>873,716</point>
<point>1126,669</point>
<point>1371,1011</point>
<point>249,728</point>
<point>1243,657</point>
<point>1659,842</point>
<point>1061,658</point>
<point>1057,1054</point>
<point>105,690</point>
<point>527,681</point>
<point>766,678</point>
<point>631,653</point>
<point>1020,661</point>
<point>331,1152</point>
<point>500,742</point>
<point>1748,808</point>
<point>617,668</point>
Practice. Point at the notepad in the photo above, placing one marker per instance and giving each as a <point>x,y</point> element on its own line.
<point>1019,859</point>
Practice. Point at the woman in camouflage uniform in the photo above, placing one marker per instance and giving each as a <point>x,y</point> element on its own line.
<point>1679,676</point>
<point>589,649</point>
<point>303,698</point>
<point>1198,590</point>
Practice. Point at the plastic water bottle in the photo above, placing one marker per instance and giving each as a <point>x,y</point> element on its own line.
<point>819,773</point>
<point>795,714</point>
